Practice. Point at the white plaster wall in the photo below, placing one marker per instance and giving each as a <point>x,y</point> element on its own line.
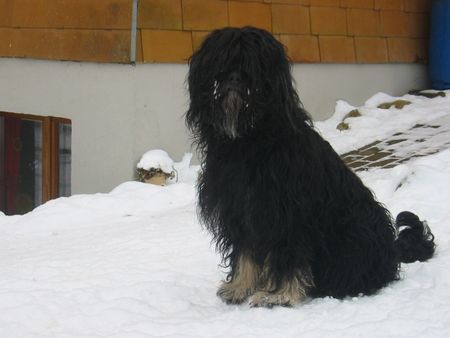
<point>120,111</point>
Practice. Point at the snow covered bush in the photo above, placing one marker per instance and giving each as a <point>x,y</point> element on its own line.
<point>155,167</point>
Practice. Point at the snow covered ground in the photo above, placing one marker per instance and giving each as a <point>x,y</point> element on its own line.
<point>136,263</point>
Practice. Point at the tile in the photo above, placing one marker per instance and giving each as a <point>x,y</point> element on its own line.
<point>337,49</point>
<point>301,48</point>
<point>394,23</point>
<point>204,15</point>
<point>363,22</point>
<point>86,14</point>
<point>357,3</point>
<point>417,5</point>
<point>166,46</point>
<point>389,4</point>
<point>330,21</point>
<point>371,50</point>
<point>68,44</point>
<point>160,14</point>
<point>290,19</point>
<point>250,14</point>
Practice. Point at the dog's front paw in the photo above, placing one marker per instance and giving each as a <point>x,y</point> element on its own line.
<point>269,300</point>
<point>232,294</point>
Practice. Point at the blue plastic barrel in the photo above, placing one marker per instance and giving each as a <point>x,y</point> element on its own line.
<point>440,44</point>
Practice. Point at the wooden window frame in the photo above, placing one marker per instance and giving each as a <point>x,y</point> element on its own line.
<point>53,136</point>
<point>50,147</point>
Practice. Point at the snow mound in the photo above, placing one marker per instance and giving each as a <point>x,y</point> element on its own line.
<point>378,99</point>
<point>376,123</point>
<point>157,159</point>
<point>186,172</point>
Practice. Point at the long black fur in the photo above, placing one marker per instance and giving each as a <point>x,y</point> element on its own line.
<point>272,188</point>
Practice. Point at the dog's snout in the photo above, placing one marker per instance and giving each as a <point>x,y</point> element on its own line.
<point>234,77</point>
<point>233,81</point>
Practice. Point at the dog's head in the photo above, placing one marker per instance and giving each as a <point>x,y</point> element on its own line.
<point>235,78</point>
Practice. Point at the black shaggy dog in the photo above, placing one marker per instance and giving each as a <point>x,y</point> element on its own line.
<point>290,219</point>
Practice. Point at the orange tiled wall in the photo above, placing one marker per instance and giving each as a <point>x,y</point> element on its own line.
<point>328,31</point>
<point>85,30</point>
<point>338,31</point>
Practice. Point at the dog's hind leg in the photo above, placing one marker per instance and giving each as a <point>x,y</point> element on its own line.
<point>243,283</point>
<point>288,292</point>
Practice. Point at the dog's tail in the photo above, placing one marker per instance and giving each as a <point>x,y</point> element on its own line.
<point>415,242</point>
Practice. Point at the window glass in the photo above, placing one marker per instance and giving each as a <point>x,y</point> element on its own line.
<point>21,173</point>
<point>64,157</point>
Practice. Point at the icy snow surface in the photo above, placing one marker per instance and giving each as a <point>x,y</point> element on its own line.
<point>136,263</point>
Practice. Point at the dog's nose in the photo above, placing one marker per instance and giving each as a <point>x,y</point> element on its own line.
<point>234,77</point>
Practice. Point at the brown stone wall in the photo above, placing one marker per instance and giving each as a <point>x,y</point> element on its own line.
<point>319,31</point>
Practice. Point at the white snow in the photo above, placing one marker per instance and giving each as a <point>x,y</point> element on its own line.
<point>157,159</point>
<point>136,263</point>
<point>376,123</point>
